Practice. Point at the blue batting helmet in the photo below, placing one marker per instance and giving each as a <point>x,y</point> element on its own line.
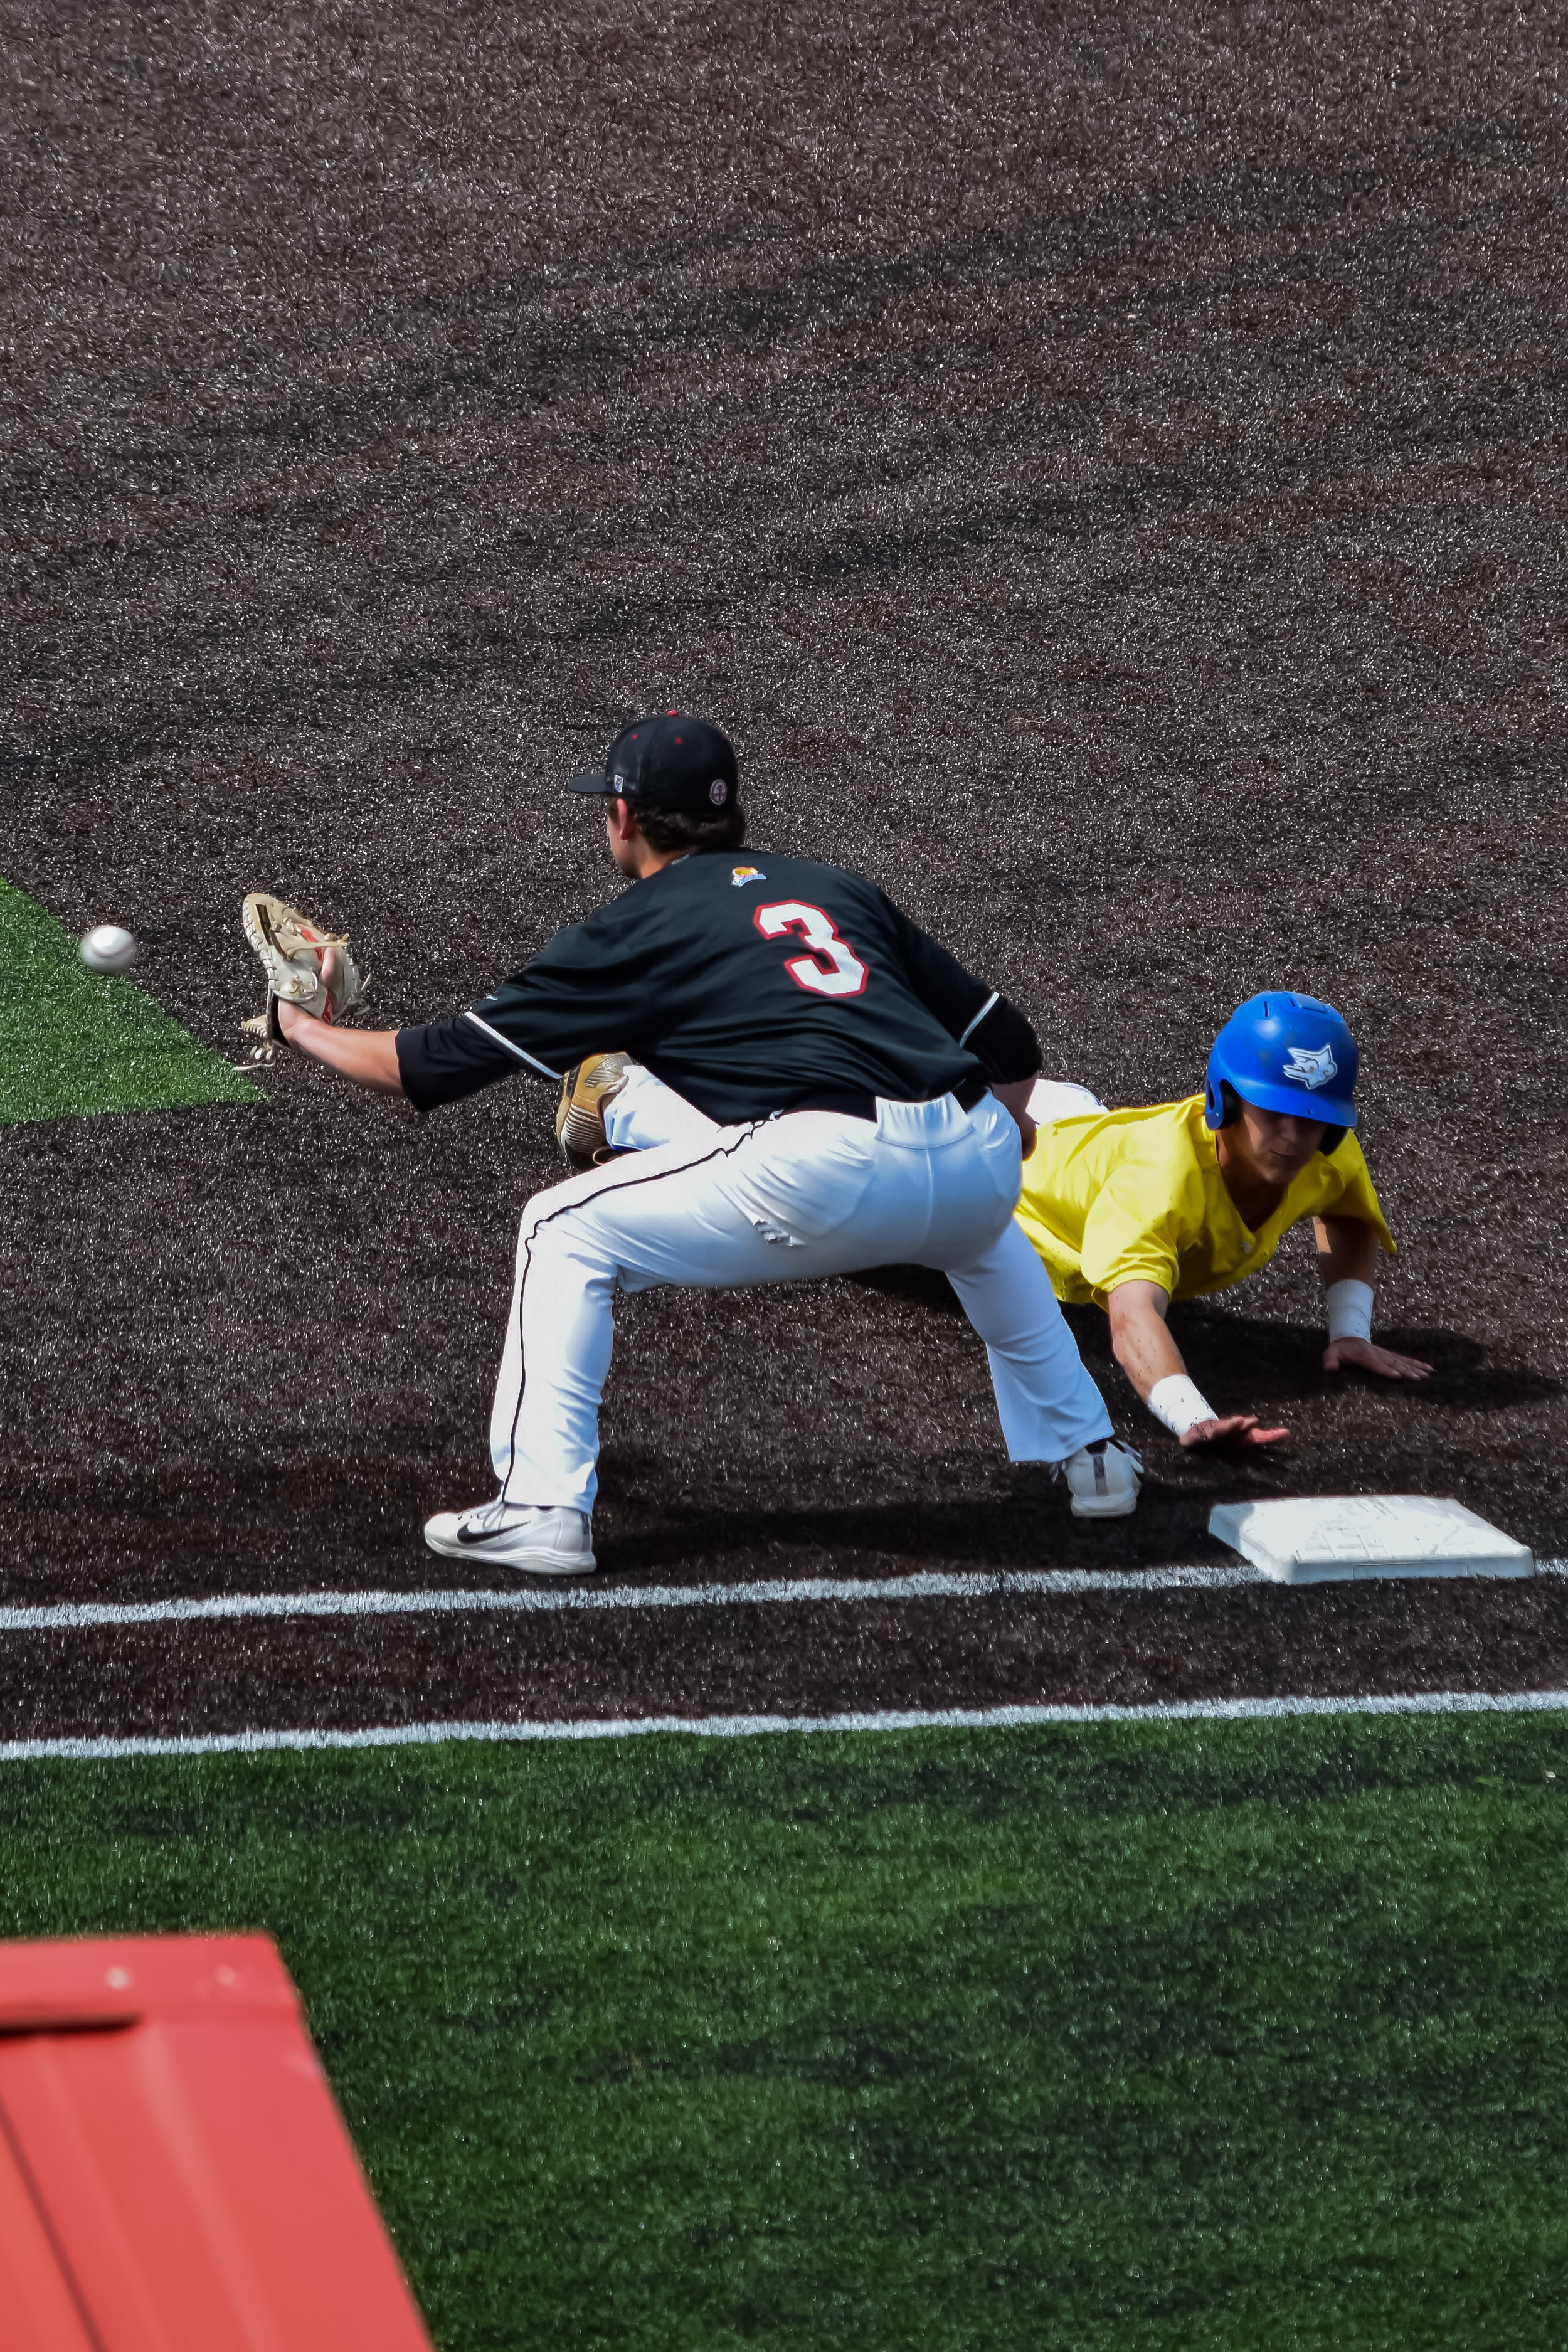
<point>1285,1053</point>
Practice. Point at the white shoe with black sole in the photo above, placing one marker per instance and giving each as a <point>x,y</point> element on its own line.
<point>532,1536</point>
<point>1103,1479</point>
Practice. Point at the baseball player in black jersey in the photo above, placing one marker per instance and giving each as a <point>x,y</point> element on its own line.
<point>867,1095</point>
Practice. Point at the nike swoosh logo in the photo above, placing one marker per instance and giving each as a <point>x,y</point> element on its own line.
<point>486,1535</point>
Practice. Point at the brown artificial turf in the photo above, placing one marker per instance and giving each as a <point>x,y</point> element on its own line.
<point>1105,469</point>
<point>785,1659</point>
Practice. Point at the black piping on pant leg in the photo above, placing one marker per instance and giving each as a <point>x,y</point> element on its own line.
<point>615,1181</point>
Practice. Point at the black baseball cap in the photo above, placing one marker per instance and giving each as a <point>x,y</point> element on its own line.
<point>671,760</point>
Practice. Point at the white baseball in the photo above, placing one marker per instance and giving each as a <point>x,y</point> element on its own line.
<point>109,948</point>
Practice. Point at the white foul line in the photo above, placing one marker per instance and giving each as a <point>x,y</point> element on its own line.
<point>742,1727</point>
<point>927,1585</point>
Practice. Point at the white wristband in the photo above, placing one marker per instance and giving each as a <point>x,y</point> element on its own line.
<point>1180,1403</point>
<point>1350,1310</point>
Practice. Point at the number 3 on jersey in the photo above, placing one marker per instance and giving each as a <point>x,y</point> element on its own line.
<point>843,974</point>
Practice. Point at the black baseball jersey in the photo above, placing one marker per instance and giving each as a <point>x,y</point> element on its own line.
<point>750,983</point>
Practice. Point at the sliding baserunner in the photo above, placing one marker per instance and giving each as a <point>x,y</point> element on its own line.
<point>1130,1209</point>
<point>860,1098</point>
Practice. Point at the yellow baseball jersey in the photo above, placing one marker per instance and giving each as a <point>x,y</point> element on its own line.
<point>1137,1196</point>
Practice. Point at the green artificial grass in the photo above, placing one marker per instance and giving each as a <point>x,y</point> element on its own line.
<point>73,1041</point>
<point>1144,2035</point>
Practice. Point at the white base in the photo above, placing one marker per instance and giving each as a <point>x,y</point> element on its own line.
<point>1316,1539</point>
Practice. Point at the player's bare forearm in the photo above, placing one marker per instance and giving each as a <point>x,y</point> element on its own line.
<point>1347,1252</point>
<point>1146,1352</point>
<point>1139,1339</point>
<point>1347,1249</point>
<point>368,1057</point>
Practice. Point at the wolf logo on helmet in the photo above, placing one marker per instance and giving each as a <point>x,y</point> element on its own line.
<point>1314,1070</point>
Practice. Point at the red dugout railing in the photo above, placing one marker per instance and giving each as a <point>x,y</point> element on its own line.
<point>174,2174</point>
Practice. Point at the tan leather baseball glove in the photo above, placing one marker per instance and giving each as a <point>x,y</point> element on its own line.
<point>292,951</point>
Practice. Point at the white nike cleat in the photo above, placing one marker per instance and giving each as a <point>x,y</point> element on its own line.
<point>1102,1480</point>
<point>530,1536</point>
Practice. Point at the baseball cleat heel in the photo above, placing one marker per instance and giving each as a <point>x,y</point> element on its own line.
<point>1103,1479</point>
<point>534,1538</point>
<point>586,1093</point>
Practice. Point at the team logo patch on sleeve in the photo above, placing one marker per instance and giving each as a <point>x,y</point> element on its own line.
<point>1311,1070</point>
<point>740,875</point>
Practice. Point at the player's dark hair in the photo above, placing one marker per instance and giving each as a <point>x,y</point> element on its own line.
<point>1332,1137</point>
<point>673,829</point>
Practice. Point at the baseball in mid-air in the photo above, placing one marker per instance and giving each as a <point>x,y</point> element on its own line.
<point>109,948</point>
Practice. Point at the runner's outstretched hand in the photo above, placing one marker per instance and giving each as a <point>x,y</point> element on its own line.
<point>1232,1429</point>
<point>1368,1357</point>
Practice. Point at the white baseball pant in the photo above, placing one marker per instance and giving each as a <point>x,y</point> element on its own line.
<point>813,1193</point>
<point>645,1112</point>
<point>1053,1099</point>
